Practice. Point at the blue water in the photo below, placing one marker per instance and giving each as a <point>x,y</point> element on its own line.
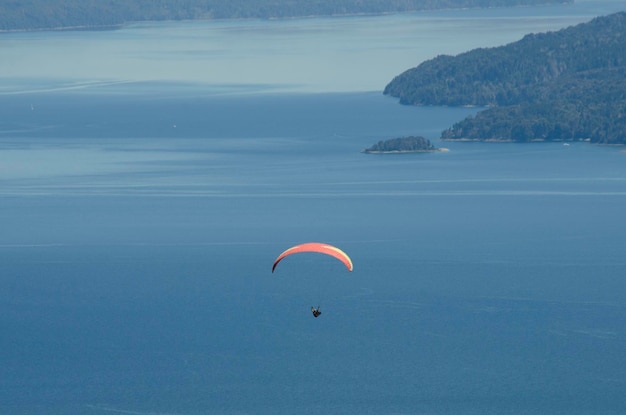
<point>139,222</point>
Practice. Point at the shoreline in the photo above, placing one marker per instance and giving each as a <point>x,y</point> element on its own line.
<point>122,23</point>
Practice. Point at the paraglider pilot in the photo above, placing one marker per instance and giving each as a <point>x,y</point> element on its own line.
<point>316,311</point>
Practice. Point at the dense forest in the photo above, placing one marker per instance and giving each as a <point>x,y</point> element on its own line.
<point>412,144</point>
<point>565,85</point>
<point>56,14</point>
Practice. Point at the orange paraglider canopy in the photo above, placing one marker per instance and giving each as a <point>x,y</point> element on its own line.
<point>322,248</point>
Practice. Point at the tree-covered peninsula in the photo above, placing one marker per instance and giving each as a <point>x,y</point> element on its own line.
<point>60,14</point>
<point>556,86</point>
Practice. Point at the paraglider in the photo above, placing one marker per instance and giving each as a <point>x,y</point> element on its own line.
<point>316,247</point>
<point>321,248</point>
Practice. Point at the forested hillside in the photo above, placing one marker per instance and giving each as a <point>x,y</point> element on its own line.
<point>54,14</point>
<point>565,85</point>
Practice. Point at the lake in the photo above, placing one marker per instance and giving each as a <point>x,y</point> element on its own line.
<point>149,177</point>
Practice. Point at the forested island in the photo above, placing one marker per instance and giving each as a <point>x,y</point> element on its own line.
<point>557,86</point>
<point>93,14</point>
<point>412,144</point>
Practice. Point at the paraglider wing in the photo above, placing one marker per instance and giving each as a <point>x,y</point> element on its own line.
<point>316,247</point>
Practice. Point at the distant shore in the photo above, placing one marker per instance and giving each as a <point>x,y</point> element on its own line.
<point>60,15</point>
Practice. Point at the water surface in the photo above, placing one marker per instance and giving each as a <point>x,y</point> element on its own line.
<point>140,221</point>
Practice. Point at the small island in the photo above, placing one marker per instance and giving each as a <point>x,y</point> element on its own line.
<point>412,144</point>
